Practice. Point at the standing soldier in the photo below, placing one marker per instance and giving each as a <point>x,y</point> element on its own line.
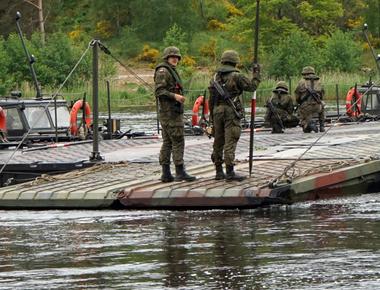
<point>226,111</point>
<point>309,96</point>
<point>280,109</point>
<point>169,91</point>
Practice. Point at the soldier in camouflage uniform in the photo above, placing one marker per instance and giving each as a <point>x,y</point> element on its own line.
<point>225,113</point>
<point>309,96</point>
<point>169,92</point>
<point>280,109</point>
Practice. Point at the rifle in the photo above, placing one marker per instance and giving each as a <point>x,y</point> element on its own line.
<point>275,113</point>
<point>227,97</point>
<point>314,94</point>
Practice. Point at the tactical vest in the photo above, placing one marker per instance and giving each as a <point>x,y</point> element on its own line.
<point>170,104</point>
<point>222,77</point>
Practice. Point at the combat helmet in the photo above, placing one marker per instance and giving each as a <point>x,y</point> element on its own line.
<point>230,56</point>
<point>171,51</point>
<point>281,87</point>
<point>308,70</point>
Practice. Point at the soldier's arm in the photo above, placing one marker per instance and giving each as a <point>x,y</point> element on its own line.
<point>322,93</point>
<point>290,106</point>
<point>246,84</point>
<point>299,91</point>
<point>162,82</point>
<point>211,102</point>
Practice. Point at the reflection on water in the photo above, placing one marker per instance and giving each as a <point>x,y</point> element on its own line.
<point>332,244</point>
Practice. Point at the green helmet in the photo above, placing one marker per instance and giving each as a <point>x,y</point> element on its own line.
<point>308,70</point>
<point>281,86</point>
<point>171,51</point>
<point>230,56</point>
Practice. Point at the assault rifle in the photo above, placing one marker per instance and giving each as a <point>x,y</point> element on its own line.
<point>227,97</point>
<point>314,94</point>
<point>273,110</point>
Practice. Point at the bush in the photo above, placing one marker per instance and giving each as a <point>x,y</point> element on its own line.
<point>176,37</point>
<point>292,54</point>
<point>342,53</point>
<point>5,79</point>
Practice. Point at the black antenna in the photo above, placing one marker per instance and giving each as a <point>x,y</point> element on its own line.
<point>30,58</point>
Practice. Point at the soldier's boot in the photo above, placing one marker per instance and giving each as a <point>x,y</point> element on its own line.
<point>166,174</point>
<point>313,126</point>
<point>322,126</point>
<point>306,129</point>
<point>231,175</point>
<point>277,129</point>
<point>219,172</point>
<point>180,174</point>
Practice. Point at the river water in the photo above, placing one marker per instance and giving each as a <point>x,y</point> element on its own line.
<point>331,244</point>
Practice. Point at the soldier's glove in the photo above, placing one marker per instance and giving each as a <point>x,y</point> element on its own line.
<point>256,68</point>
<point>210,132</point>
<point>256,71</point>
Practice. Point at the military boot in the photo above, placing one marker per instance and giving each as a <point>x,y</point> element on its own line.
<point>180,174</point>
<point>166,174</point>
<point>306,129</point>
<point>276,129</point>
<point>219,172</point>
<point>231,175</point>
<point>321,126</point>
<point>313,126</point>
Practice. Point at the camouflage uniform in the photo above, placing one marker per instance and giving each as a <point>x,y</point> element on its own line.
<point>309,96</point>
<point>167,84</point>
<point>226,124</point>
<point>280,109</point>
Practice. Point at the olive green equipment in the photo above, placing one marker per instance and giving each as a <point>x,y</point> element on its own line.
<point>225,95</point>
<point>230,56</point>
<point>310,92</point>
<point>171,51</point>
<point>308,70</point>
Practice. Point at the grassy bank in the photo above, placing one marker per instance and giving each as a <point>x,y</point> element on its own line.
<point>136,96</point>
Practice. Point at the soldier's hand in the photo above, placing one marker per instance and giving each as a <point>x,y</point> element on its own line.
<point>256,68</point>
<point>179,98</point>
<point>210,131</point>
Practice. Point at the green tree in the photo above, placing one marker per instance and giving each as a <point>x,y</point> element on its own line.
<point>5,78</point>
<point>292,54</point>
<point>342,53</point>
<point>176,37</point>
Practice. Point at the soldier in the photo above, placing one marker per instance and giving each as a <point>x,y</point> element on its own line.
<point>280,109</point>
<point>226,110</point>
<point>309,96</point>
<point>169,91</point>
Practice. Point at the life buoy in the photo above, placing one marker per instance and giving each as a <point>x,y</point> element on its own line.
<point>353,103</point>
<point>74,116</point>
<point>3,120</point>
<point>195,120</point>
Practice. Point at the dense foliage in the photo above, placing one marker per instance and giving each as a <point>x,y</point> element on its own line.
<point>293,33</point>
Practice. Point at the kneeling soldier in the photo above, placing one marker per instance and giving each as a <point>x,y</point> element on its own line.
<point>280,109</point>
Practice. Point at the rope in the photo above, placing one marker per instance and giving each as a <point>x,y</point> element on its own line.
<point>45,108</point>
<point>292,175</point>
<point>107,51</point>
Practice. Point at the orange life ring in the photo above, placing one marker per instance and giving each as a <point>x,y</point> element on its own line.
<point>195,120</point>
<point>3,120</point>
<point>353,103</point>
<point>74,116</point>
